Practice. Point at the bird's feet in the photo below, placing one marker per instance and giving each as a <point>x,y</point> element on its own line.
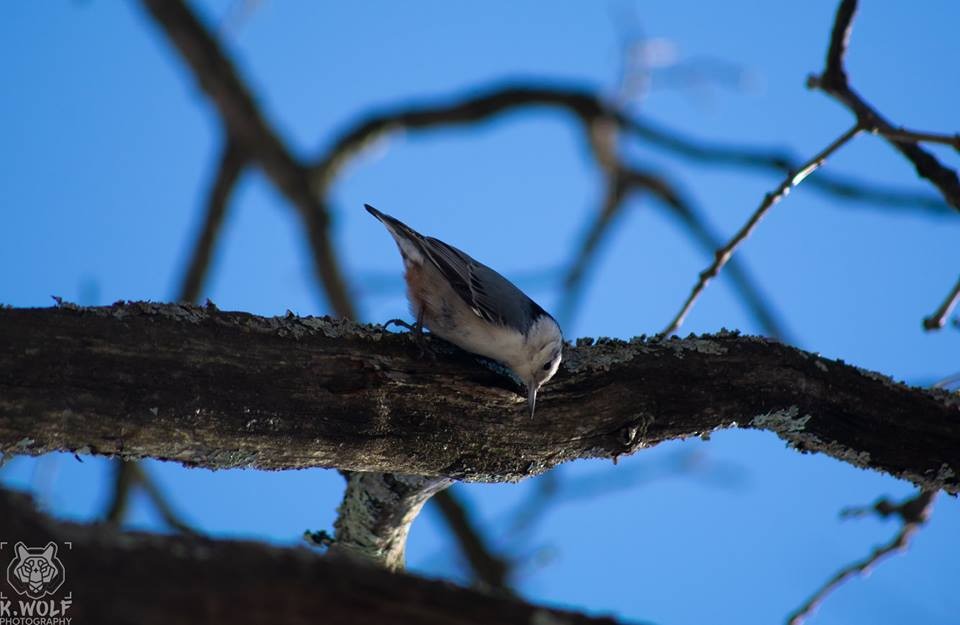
<point>418,336</point>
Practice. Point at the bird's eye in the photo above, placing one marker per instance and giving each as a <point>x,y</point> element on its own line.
<point>547,366</point>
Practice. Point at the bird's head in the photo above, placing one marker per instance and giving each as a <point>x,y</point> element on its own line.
<point>543,350</point>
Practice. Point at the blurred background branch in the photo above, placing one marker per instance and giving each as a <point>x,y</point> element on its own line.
<point>913,514</point>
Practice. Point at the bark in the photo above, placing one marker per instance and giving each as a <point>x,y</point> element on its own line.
<point>374,519</point>
<point>216,389</point>
<point>124,578</point>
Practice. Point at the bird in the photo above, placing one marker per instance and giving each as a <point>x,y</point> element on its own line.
<point>463,301</point>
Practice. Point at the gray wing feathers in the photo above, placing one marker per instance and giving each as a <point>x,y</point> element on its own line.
<point>486,292</point>
<point>489,294</point>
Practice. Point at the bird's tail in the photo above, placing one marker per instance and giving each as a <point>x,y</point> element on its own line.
<point>408,240</point>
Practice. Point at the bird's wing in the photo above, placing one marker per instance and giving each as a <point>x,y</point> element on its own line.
<point>491,296</point>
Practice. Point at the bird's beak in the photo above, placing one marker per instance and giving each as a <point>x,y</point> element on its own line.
<point>532,397</point>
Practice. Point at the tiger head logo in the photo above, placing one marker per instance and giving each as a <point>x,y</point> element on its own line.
<point>35,571</point>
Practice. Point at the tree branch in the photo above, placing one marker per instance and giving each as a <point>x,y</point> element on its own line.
<point>510,96</point>
<point>229,168</point>
<point>490,571</point>
<point>129,475</point>
<point>725,254</point>
<point>913,512</point>
<point>244,123</point>
<point>919,136</point>
<point>377,511</point>
<point>834,82</point>
<point>939,317</point>
<point>120,578</point>
<point>216,389</point>
<point>622,179</point>
<point>766,159</point>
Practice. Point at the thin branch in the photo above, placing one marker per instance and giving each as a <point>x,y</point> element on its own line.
<point>128,476</point>
<point>610,207</point>
<point>246,124</point>
<point>622,180</point>
<point>618,189</point>
<point>916,136</point>
<point>834,81</point>
<point>763,159</point>
<point>477,106</point>
<point>725,253</point>
<point>757,303</point>
<point>229,168</point>
<point>913,513</point>
<point>492,572</point>
<point>487,102</point>
<point>161,503</point>
<point>939,317</point>
<point>125,476</point>
<point>217,389</point>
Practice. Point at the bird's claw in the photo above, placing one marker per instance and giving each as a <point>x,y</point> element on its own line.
<point>425,348</point>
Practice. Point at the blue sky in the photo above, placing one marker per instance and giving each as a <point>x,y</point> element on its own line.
<point>109,146</point>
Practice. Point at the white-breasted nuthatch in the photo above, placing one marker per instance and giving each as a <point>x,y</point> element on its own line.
<point>472,306</point>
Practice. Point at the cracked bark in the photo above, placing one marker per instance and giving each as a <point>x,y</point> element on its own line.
<point>216,389</point>
<point>120,577</point>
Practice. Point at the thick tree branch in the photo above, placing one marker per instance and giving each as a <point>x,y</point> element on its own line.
<point>216,389</point>
<point>120,578</point>
<point>377,511</point>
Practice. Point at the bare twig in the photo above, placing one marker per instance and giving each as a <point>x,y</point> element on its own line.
<point>127,477</point>
<point>913,513</point>
<point>232,162</point>
<point>745,157</point>
<point>916,136</point>
<point>491,571</point>
<point>834,81</point>
<point>939,317</point>
<point>724,254</point>
<point>618,190</point>
<point>246,124</point>
<point>623,179</point>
